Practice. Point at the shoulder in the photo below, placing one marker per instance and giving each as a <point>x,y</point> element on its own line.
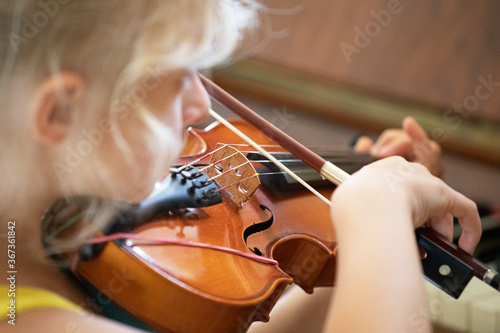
<point>56,320</point>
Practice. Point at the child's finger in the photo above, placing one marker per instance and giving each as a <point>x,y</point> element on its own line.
<point>414,130</point>
<point>363,144</point>
<point>393,142</point>
<point>465,210</point>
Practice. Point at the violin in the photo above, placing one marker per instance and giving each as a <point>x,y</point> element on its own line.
<point>226,232</point>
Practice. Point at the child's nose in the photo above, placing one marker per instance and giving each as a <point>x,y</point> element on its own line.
<point>196,103</point>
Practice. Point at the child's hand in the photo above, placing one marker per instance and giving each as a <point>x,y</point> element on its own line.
<point>392,187</point>
<point>410,142</point>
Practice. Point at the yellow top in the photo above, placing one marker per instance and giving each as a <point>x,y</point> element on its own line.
<point>27,298</point>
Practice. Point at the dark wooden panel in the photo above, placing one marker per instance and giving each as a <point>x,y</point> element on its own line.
<point>369,63</point>
<point>436,52</point>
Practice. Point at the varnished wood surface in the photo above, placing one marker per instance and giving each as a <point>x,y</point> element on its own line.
<point>186,289</point>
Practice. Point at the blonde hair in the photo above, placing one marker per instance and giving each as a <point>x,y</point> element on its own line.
<point>114,45</point>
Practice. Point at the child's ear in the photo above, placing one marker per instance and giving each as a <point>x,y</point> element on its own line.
<point>57,100</point>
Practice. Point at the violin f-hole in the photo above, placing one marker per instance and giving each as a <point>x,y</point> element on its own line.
<point>258,227</point>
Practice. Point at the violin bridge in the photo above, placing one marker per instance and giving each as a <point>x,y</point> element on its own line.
<point>232,171</point>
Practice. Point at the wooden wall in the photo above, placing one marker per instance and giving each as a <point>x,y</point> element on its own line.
<point>369,63</point>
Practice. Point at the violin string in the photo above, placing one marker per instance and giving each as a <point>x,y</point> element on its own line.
<point>282,161</point>
<point>236,183</point>
<point>351,157</point>
<point>278,173</point>
<point>229,170</point>
<point>269,156</point>
<point>337,160</point>
<point>257,174</point>
<point>330,152</point>
<point>205,156</point>
<point>361,157</point>
<point>224,146</point>
<point>248,161</point>
<point>217,162</point>
<point>213,164</point>
<point>248,145</point>
<point>315,148</point>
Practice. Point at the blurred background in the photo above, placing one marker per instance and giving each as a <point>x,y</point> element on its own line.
<point>327,71</point>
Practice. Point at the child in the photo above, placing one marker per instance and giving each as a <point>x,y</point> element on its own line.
<point>95,97</point>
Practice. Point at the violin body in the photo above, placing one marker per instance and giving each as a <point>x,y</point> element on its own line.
<point>184,289</point>
<point>223,284</point>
